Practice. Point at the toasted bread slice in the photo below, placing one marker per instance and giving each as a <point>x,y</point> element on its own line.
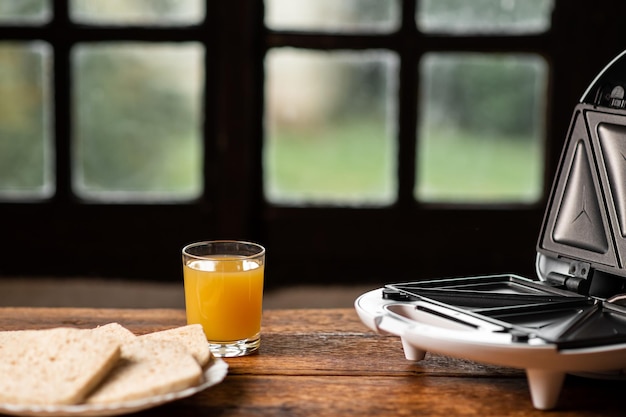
<point>54,366</point>
<point>148,367</point>
<point>191,335</point>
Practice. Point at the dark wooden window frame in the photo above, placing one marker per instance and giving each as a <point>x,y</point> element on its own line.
<point>65,236</point>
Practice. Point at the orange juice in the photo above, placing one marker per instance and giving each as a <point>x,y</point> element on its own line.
<point>225,295</point>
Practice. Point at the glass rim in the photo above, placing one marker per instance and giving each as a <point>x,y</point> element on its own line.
<point>260,248</point>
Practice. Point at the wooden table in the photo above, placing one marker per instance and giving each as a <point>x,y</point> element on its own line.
<point>326,363</point>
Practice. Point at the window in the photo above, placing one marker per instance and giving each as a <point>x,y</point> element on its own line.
<point>481,128</point>
<point>493,17</point>
<point>464,127</point>
<point>25,12</point>
<point>346,135</point>
<point>137,121</point>
<point>362,16</point>
<point>137,12</point>
<point>330,120</point>
<point>25,116</point>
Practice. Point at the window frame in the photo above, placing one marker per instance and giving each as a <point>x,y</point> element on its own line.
<point>436,239</point>
<point>65,237</point>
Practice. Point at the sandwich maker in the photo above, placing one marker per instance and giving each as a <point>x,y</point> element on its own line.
<point>571,318</point>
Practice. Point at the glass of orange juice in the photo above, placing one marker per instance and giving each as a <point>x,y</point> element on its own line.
<point>224,293</point>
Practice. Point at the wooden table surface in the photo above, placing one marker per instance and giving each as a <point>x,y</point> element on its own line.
<point>325,362</point>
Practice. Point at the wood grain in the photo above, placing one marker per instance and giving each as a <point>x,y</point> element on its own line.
<point>327,363</point>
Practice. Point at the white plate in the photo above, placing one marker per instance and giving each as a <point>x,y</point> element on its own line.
<point>213,375</point>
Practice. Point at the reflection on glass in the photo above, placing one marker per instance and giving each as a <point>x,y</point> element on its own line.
<point>137,12</point>
<point>484,16</point>
<point>333,15</point>
<point>330,127</point>
<point>25,11</point>
<point>480,128</point>
<point>138,113</point>
<point>25,158</point>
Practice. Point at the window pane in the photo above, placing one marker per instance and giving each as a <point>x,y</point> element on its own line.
<point>481,128</point>
<point>330,122</point>
<point>138,120</point>
<point>25,159</point>
<point>24,11</point>
<point>484,16</point>
<point>133,12</point>
<point>333,15</point>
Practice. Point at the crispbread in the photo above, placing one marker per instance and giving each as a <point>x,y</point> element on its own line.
<point>117,331</point>
<point>191,335</point>
<point>148,367</point>
<point>107,364</point>
<point>53,366</point>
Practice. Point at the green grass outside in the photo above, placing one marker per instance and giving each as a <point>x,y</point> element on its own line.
<point>461,167</point>
<point>356,164</point>
<point>351,164</point>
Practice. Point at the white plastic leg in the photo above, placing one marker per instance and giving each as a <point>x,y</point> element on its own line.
<point>411,352</point>
<point>545,387</point>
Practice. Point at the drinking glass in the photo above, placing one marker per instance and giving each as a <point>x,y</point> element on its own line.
<point>224,293</point>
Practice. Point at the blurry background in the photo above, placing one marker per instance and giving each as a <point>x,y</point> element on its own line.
<point>361,141</point>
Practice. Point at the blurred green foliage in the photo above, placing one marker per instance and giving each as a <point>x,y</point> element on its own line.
<point>23,128</point>
<point>134,119</point>
<point>483,93</point>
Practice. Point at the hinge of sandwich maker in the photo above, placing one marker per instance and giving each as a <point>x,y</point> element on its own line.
<point>577,279</point>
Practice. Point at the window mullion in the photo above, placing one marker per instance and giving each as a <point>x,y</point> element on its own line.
<point>231,168</point>
<point>60,30</point>
<point>409,58</point>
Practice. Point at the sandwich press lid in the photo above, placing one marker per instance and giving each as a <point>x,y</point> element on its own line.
<point>583,236</point>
